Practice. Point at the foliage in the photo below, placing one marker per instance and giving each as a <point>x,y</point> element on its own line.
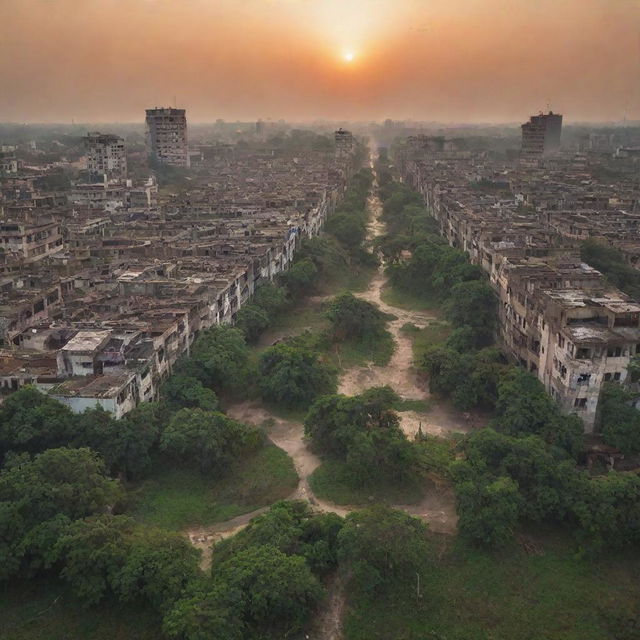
<point>186,392</point>
<point>31,421</point>
<point>208,439</point>
<point>488,510</point>
<point>472,304</point>
<point>380,545</point>
<point>524,407</point>
<point>355,319</point>
<point>293,375</point>
<point>619,419</point>
<point>219,358</point>
<point>365,433</point>
<point>262,583</point>
<point>301,277</point>
<point>292,528</point>
<point>611,263</point>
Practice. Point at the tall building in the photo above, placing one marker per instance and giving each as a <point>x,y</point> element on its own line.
<point>106,154</point>
<point>167,136</point>
<point>541,134</point>
<point>344,143</point>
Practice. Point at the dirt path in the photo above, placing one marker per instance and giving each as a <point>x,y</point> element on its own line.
<point>399,373</point>
<point>438,506</point>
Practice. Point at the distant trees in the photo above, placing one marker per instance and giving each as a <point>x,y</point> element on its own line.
<point>181,391</point>
<point>612,264</point>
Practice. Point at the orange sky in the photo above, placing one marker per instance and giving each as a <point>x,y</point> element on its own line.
<point>445,60</point>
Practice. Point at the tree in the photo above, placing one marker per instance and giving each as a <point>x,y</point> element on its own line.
<point>252,321</point>
<point>64,481</point>
<point>606,510</point>
<point>619,419</point>
<point>524,407</point>
<point>31,421</point>
<point>278,590</point>
<point>219,358</point>
<point>185,392</point>
<point>355,319</point>
<point>292,528</point>
<point>300,277</point>
<point>159,565</point>
<point>93,553</point>
<point>124,444</point>
<point>348,227</point>
<point>488,510</point>
<point>381,544</point>
<point>472,304</point>
<point>213,608</point>
<point>207,438</point>
<point>294,375</point>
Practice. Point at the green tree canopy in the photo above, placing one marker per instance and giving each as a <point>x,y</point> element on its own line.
<point>207,438</point>
<point>293,375</point>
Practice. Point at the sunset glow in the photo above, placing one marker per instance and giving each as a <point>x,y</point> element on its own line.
<point>448,60</point>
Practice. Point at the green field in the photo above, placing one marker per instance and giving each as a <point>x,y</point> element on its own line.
<point>180,498</point>
<point>328,483</point>
<point>538,590</point>
<point>436,332</point>
<point>395,297</point>
<point>46,610</point>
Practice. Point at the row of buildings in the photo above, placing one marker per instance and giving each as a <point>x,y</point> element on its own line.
<point>524,222</point>
<point>99,300</point>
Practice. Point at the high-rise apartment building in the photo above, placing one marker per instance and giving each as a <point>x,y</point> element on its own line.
<point>344,143</point>
<point>167,136</point>
<point>541,134</point>
<point>106,154</point>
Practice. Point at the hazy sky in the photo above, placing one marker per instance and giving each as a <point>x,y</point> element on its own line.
<point>446,60</point>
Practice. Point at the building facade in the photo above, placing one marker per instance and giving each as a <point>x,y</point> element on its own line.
<point>166,131</point>
<point>106,154</point>
<point>541,134</point>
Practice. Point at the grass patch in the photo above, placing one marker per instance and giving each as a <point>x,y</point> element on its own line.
<point>436,332</point>
<point>328,482</point>
<point>351,353</point>
<point>469,594</point>
<point>354,278</point>
<point>395,297</point>
<point>420,406</point>
<point>47,610</point>
<point>180,498</point>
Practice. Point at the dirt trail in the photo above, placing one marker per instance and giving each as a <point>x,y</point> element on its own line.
<point>438,506</point>
<point>399,373</point>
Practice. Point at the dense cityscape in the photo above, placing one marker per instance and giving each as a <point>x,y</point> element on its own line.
<point>340,343</point>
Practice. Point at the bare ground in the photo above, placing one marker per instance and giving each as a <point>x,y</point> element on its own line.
<point>438,506</point>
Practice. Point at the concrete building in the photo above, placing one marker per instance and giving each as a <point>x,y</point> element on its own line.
<point>344,143</point>
<point>106,154</point>
<point>541,134</point>
<point>167,136</point>
<point>558,317</point>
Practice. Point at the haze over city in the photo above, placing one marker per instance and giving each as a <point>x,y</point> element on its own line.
<point>440,60</point>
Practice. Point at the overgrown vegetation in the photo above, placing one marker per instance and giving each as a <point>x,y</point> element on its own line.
<point>612,264</point>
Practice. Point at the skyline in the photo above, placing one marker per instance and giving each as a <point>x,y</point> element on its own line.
<point>451,62</point>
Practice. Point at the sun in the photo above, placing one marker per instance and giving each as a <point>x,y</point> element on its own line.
<point>349,56</point>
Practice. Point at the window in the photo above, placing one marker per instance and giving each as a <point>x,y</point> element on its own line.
<point>580,403</point>
<point>614,352</point>
<point>617,375</point>
<point>584,378</point>
<point>607,377</point>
